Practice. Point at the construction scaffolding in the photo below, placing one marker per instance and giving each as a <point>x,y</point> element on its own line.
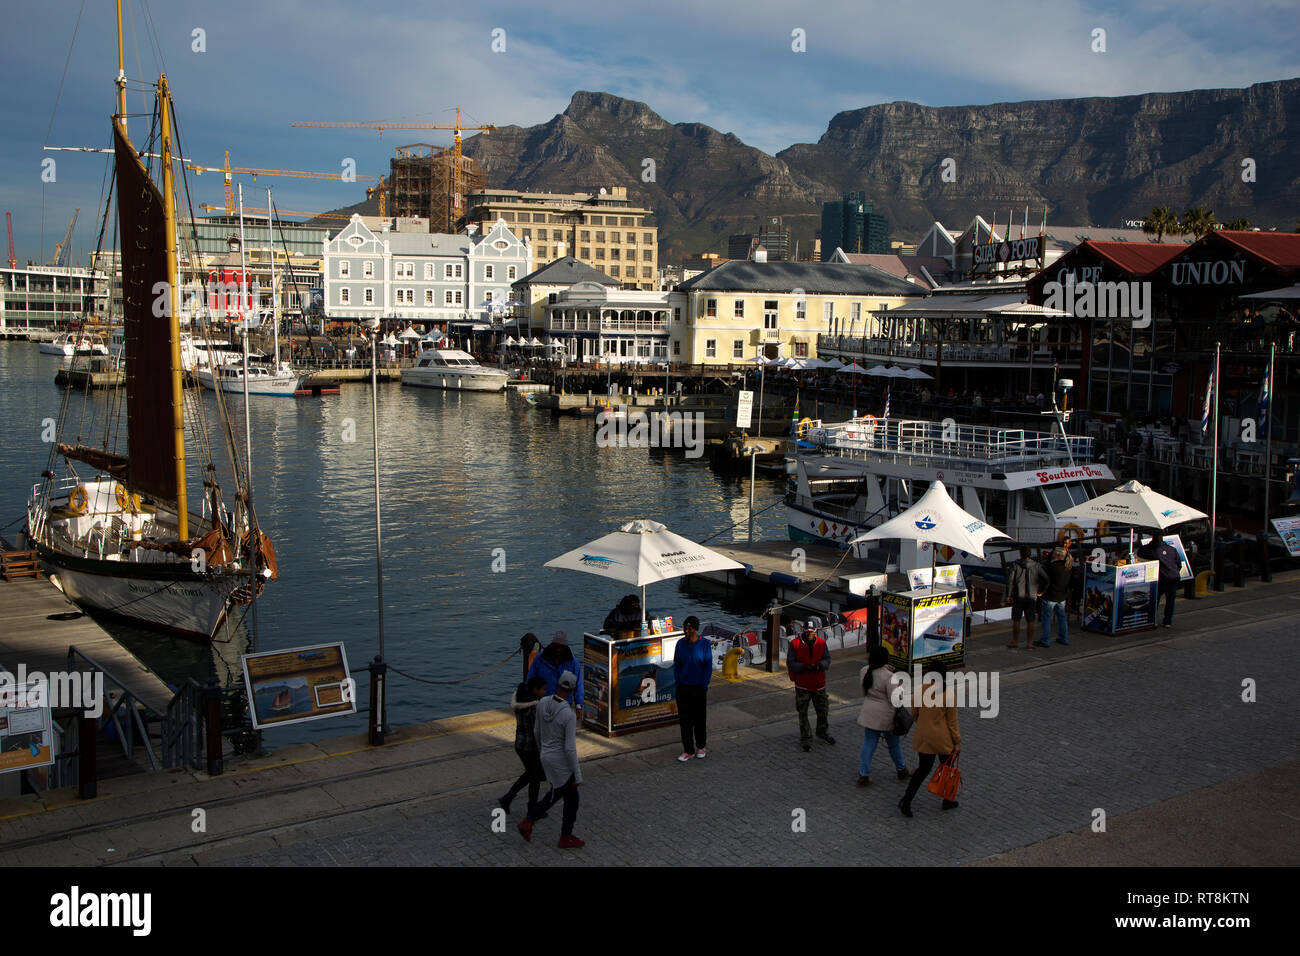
<point>424,182</point>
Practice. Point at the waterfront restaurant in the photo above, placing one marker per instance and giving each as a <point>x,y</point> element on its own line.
<point>595,322</point>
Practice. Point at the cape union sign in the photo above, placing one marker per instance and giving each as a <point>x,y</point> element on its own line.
<point>1208,273</point>
<point>1014,250</point>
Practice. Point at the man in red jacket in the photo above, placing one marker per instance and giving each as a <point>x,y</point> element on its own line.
<point>808,660</point>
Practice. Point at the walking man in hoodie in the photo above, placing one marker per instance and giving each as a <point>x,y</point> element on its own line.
<point>808,660</point>
<point>557,738</point>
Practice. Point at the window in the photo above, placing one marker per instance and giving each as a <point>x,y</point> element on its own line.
<point>525,217</point>
<point>585,235</point>
<point>647,255</point>
<point>541,233</point>
<point>801,309</point>
<point>677,349</point>
<point>345,269</point>
<point>647,238</point>
<point>800,349</point>
<point>711,308</point>
<point>614,252</point>
<point>615,237</point>
<point>369,270</point>
<point>677,315</point>
<point>448,271</point>
<point>600,235</point>
<point>487,297</point>
<point>769,314</point>
<point>600,252</point>
<point>740,308</point>
<point>596,220</point>
<point>710,348</point>
<point>400,295</point>
<point>458,297</point>
<point>527,233</point>
<point>626,221</point>
<point>613,270</point>
<point>345,296</point>
<point>370,297</point>
<point>828,313</point>
<point>512,273</point>
<point>646,272</point>
<point>631,238</point>
<point>428,297</point>
<point>541,252</point>
<point>738,348</point>
<point>855,312</point>
<point>446,297</point>
<point>489,273</point>
<point>584,252</point>
<point>428,270</point>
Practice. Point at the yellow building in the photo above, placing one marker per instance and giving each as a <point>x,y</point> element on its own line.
<point>742,308</point>
<point>603,230</point>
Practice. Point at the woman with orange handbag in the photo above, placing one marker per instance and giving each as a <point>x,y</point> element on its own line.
<point>936,733</point>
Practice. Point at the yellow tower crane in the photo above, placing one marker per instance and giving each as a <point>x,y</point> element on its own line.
<point>231,171</point>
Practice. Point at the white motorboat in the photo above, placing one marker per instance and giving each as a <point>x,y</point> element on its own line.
<point>263,379</point>
<point>869,470</point>
<point>68,344</point>
<point>453,369</point>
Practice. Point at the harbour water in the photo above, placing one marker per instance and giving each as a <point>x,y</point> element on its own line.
<point>462,475</point>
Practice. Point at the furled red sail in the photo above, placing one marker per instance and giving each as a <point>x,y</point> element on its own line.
<point>115,465</point>
<point>152,468</point>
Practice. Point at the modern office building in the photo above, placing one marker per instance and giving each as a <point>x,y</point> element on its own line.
<point>852,225</point>
<point>602,229</point>
<point>47,297</point>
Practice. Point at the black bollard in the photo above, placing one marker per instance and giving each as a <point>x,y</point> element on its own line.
<point>1265,572</point>
<point>378,701</point>
<point>773,641</point>
<point>87,767</point>
<point>1239,553</point>
<point>1218,567</point>
<point>212,720</point>
<point>873,618</point>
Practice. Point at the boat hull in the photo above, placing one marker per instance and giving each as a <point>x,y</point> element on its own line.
<point>166,597</point>
<point>454,381</point>
<point>280,386</point>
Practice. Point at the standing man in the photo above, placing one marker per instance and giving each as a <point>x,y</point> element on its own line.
<point>807,661</point>
<point>1171,568</point>
<point>1056,595</point>
<point>557,739</point>
<point>1025,582</point>
<point>692,670</point>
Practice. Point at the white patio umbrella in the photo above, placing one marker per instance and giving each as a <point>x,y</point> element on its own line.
<point>916,373</point>
<point>878,371</point>
<point>938,519</point>
<point>853,369</point>
<point>510,340</point>
<point>759,360</point>
<point>1134,504</point>
<point>536,342</point>
<point>409,333</point>
<point>640,553</point>
<point>894,371</point>
<point>390,340</point>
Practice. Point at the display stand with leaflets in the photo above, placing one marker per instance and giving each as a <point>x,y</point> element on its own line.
<point>1120,599</point>
<point>924,626</point>
<point>628,681</point>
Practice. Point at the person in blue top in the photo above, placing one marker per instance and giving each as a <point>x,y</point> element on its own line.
<point>692,670</point>
<point>554,661</point>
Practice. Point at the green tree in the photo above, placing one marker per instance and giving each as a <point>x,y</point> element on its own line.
<point>1199,221</point>
<point>1239,224</point>
<point>1160,220</point>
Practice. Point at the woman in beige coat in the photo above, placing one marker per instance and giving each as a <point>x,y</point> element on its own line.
<point>877,715</point>
<point>936,734</point>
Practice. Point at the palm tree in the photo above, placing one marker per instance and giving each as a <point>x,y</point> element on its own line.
<point>1160,220</point>
<point>1238,224</point>
<point>1199,221</point>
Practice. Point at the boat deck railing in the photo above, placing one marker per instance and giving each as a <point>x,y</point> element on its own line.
<point>949,445</point>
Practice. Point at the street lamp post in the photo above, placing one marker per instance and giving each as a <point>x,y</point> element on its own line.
<point>378,668</point>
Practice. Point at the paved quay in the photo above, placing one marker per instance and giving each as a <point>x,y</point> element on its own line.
<point>1149,728</point>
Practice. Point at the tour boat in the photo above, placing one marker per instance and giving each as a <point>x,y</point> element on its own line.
<point>68,344</point>
<point>453,369</point>
<point>262,379</point>
<point>867,471</point>
<point>113,521</point>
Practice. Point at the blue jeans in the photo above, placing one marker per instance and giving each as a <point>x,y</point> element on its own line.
<point>1055,609</point>
<point>869,741</point>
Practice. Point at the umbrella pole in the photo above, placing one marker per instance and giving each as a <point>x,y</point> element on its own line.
<point>934,553</point>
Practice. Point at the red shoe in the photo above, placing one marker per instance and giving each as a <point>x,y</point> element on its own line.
<point>526,828</point>
<point>570,842</point>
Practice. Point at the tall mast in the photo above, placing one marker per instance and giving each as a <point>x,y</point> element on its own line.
<point>173,311</point>
<point>275,319</point>
<point>121,73</point>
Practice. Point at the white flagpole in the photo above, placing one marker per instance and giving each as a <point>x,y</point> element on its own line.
<point>1268,433</point>
<point>1214,462</point>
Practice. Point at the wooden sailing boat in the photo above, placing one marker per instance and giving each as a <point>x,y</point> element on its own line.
<point>121,537</point>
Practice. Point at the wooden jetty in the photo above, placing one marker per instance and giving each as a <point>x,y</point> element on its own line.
<point>38,625</point>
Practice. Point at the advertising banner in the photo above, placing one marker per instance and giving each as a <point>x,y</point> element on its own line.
<point>1288,529</point>
<point>919,627</point>
<point>1099,599</point>
<point>647,687</point>
<point>26,727</point>
<point>302,683</point>
<point>945,575</point>
<point>744,409</point>
<point>596,650</point>
<point>896,628</point>
<point>1135,596</point>
<point>1184,566</point>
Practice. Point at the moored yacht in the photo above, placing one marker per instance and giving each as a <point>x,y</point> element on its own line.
<point>453,369</point>
<point>68,344</point>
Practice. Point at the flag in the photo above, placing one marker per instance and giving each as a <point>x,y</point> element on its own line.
<point>1024,226</point>
<point>1209,400</point>
<point>1043,228</point>
<point>886,403</point>
<point>991,228</point>
<point>1264,396</point>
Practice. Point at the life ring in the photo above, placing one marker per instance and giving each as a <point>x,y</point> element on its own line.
<point>802,428</point>
<point>78,500</point>
<point>1069,531</point>
<point>123,496</point>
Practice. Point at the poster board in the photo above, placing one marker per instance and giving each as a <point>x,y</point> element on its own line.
<point>298,684</point>
<point>628,683</point>
<point>26,726</point>
<point>1184,565</point>
<point>1117,600</point>
<point>917,627</point>
<point>1288,529</point>
<point>945,575</point>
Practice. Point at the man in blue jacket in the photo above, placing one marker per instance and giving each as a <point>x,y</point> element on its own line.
<point>555,660</point>
<point>692,670</point>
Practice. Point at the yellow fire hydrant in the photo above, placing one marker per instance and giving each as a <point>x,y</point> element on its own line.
<point>731,664</point>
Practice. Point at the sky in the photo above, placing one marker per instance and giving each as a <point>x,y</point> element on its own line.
<point>256,67</point>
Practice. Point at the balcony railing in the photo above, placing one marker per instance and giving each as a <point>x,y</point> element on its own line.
<point>575,324</point>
